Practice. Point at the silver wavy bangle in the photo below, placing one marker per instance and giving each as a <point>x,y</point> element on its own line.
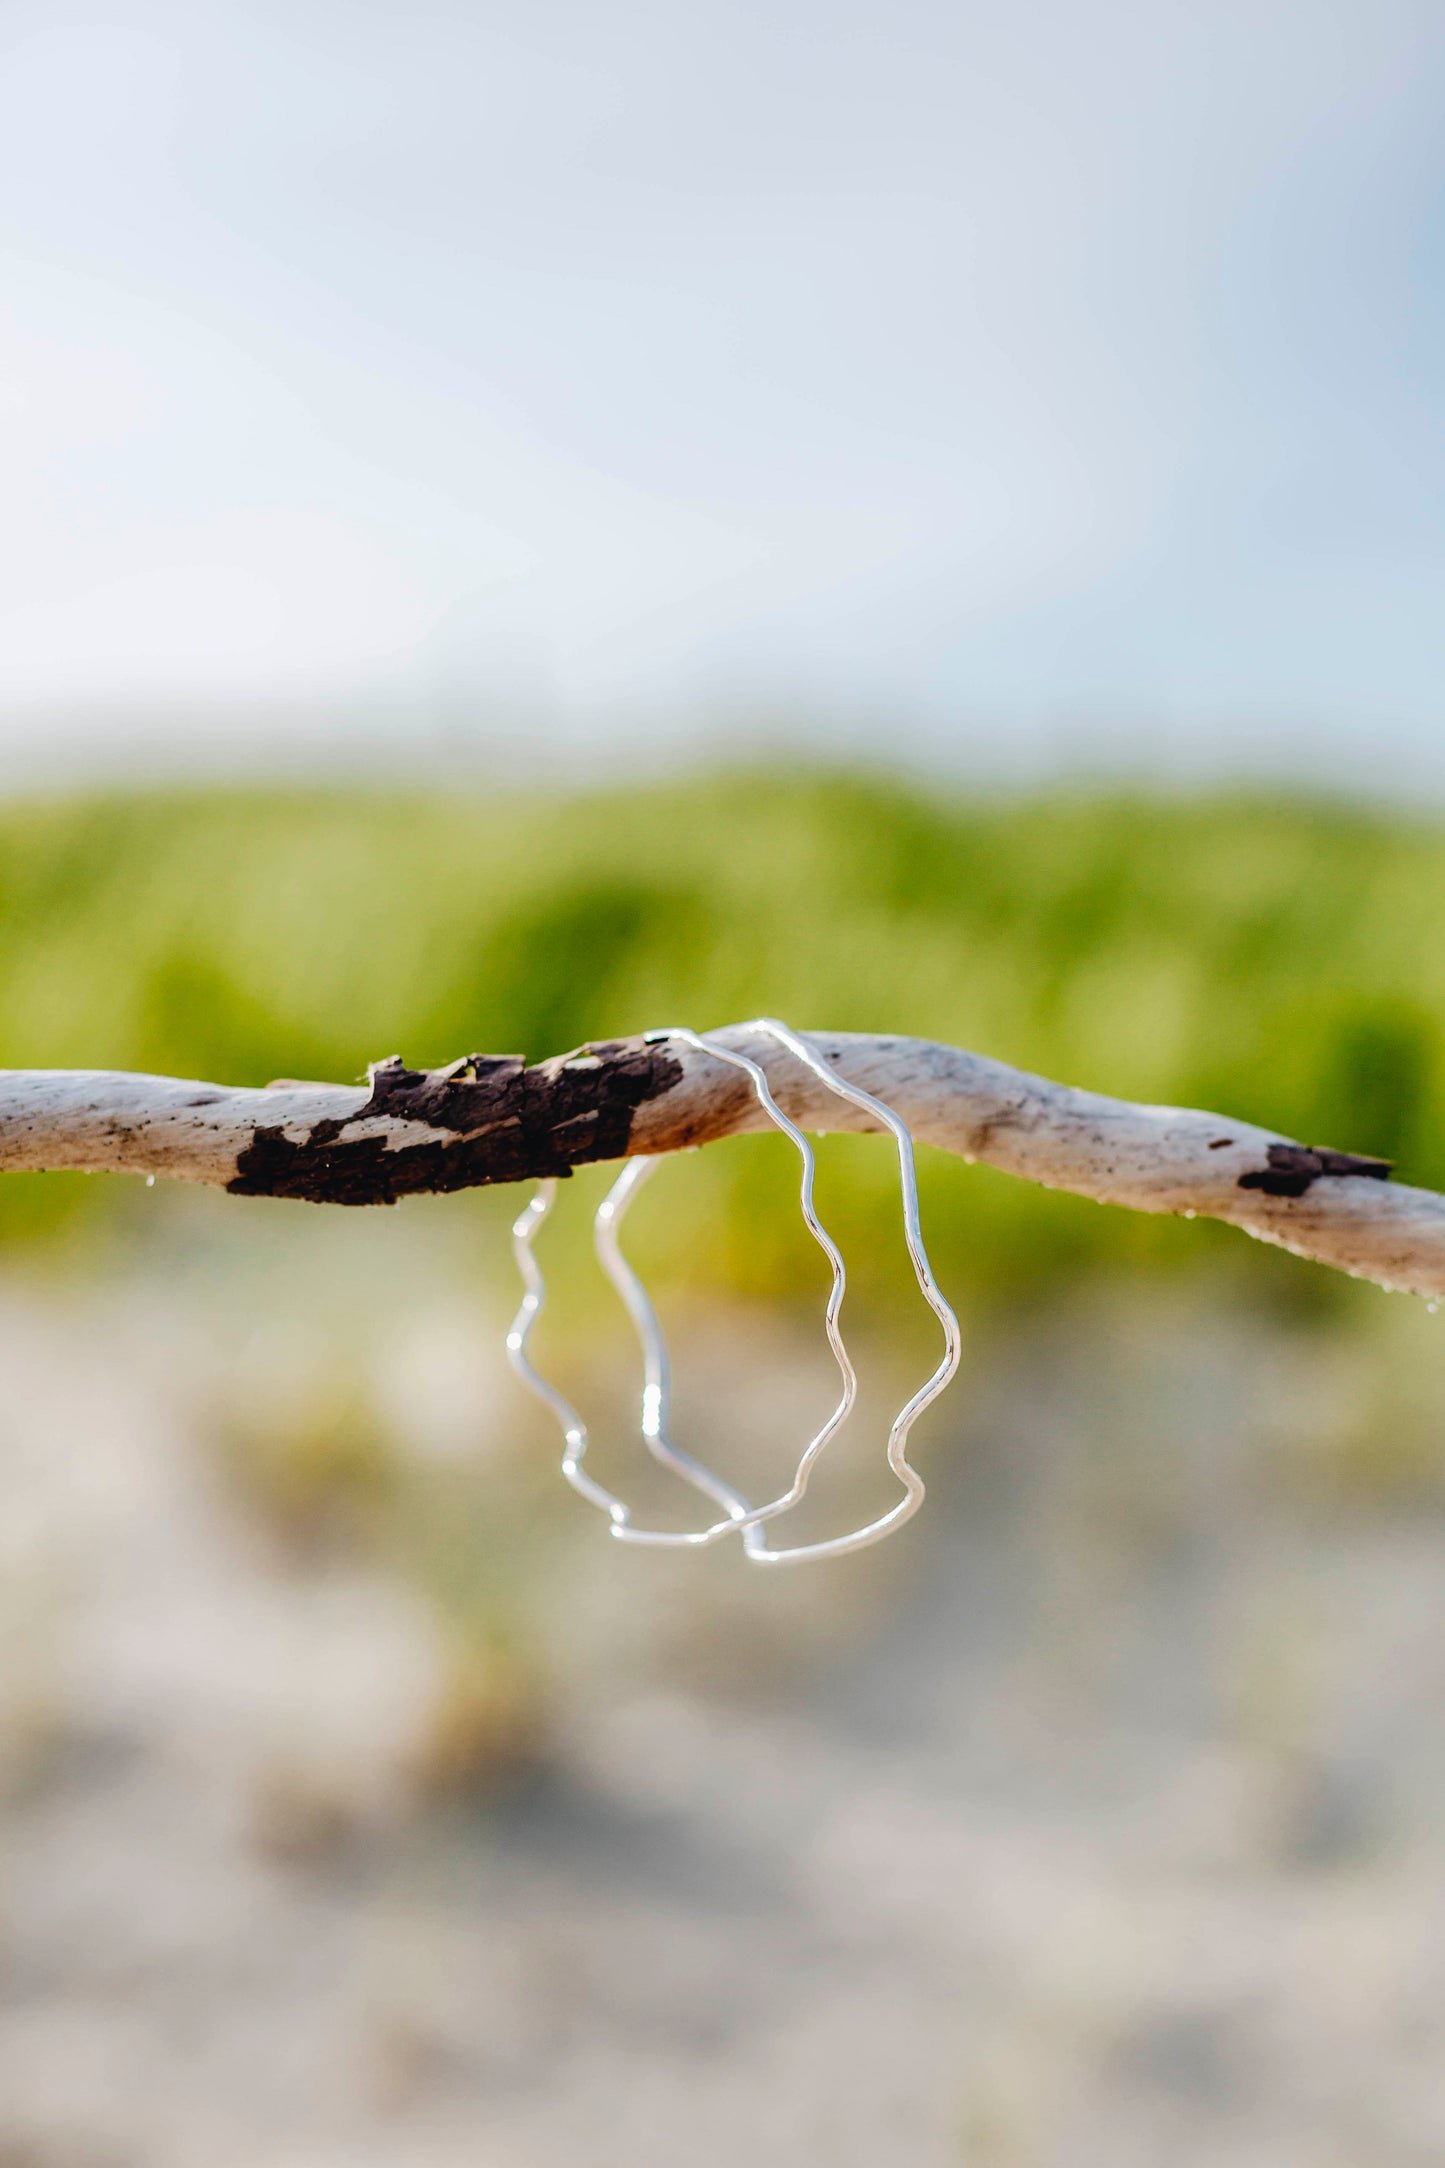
<point>739,1518</point>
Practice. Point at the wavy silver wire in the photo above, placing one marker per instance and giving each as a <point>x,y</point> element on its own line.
<point>656,1392</point>
<point>874,1531</point>
<point>574,1430</point>
<point>657,1372</point>
<point>655,1353</point>
<point>657,1375</point>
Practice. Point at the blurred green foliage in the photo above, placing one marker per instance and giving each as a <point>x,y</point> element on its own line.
<point>1279,961</point>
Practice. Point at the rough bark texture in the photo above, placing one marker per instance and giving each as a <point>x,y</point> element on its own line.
<point>490,1118</point>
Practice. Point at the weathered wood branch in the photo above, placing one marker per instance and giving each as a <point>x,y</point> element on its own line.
<point>488,1119</point>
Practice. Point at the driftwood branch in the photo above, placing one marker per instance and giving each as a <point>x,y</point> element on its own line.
<point>488,1119</point>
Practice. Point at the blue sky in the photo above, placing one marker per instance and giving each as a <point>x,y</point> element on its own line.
<point>1009,385</point>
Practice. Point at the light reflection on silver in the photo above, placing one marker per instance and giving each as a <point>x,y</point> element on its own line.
<point>740,1517</point>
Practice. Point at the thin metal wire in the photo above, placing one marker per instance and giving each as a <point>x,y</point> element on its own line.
<point>656,1396</point>
<point>574,1430</point>
<point>656,1367</point>
<point>657,1373</point>
<point>656,1391</point>
<point>874,1531</point>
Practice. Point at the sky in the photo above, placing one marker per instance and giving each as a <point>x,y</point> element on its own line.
<point>1011,387</point>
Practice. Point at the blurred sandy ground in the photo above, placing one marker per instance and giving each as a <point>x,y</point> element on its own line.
<point>362,1804</point>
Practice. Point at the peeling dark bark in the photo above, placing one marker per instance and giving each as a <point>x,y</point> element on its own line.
<point>496,1121</point>
<point>1293,1167</point>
